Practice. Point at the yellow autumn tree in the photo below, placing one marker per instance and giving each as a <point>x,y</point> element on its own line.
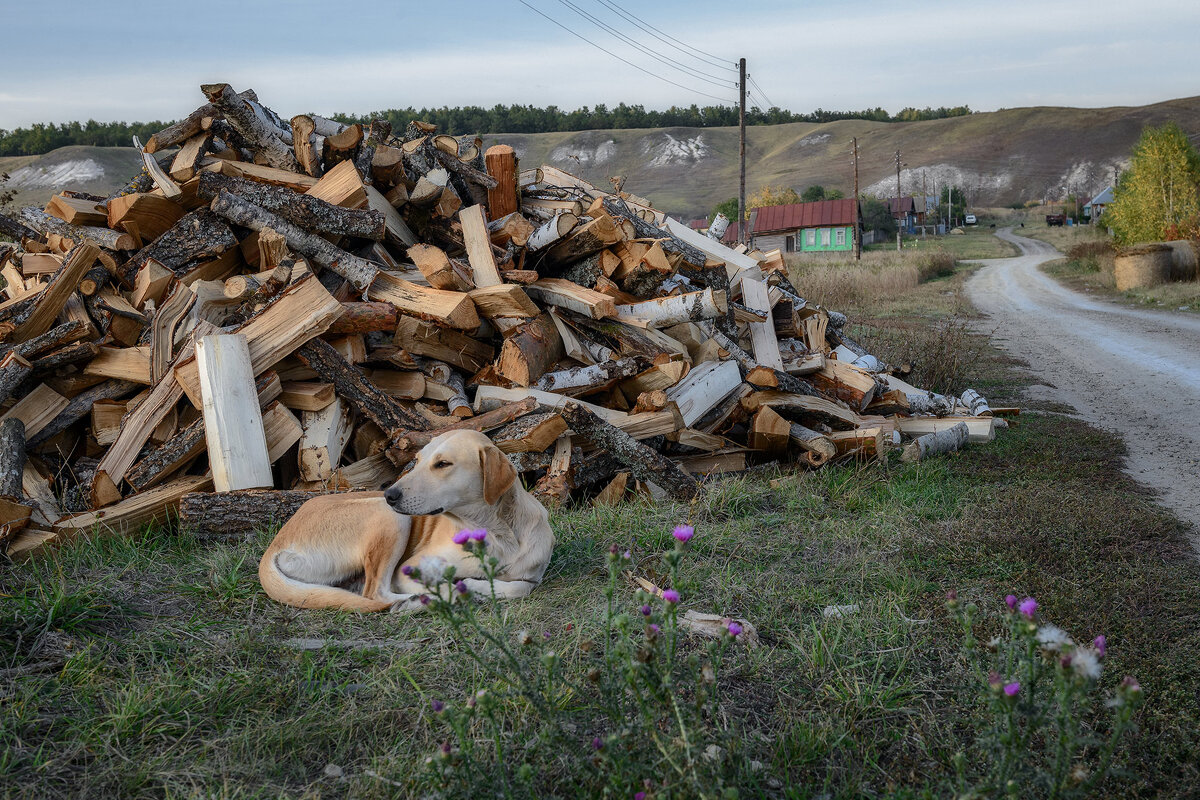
<point>768,195</point>
<point>1157,197</point>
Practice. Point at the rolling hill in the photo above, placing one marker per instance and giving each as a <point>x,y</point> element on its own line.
<point>998,157</point>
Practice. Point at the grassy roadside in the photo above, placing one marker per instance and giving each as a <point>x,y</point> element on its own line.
<point>157,668</point>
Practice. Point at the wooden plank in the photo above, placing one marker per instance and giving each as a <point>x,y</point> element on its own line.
<point>479,247</point>
<point>233,425</point>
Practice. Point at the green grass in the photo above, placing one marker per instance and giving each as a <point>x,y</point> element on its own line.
<point>155,666</point>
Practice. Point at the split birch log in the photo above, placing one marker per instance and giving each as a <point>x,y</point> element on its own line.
<point>514,228</point>
<point>762,334</point>
<point>560,293</point>
<point>45,224</point>
<point>932,444</point>
<point>259,126</point>
<point>643,462</point>
<point>479,247</point>
<point>441,271</point>
<point>457,403</point>
<point>358,271</point>
<point>767,378</point>
<point>453,347</point>
<point>12,458</point>
<point>703,388</point>
<point>550,232</point>
<point>663,312</point>
<point>14,369</point>
<point>352,385</point>
<point>584,380</point>
<point>452,309</point>
<point>585,240</point>
<point>237,445</point>
<point>234,514</point>
<point>377,134</point>
<point>531,433</point>
<point>365,318</point>
<point>310,213</point>
<point>189,126</point>
<point>326,433</point>
<point>976,403</point>
<point>818,449</point>
<point>931,403</point>
<point>16,230</point>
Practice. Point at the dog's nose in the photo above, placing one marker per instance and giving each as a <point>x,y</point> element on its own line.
<point>392,496</point>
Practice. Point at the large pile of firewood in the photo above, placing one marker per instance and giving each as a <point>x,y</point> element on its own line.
<point>274,309</point>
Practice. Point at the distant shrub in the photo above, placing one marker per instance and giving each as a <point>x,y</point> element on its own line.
<point>936,264</point>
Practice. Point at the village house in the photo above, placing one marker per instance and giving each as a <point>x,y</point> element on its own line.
<point>823,226</point>
<point>904,211</point>
<point>1093,208</point>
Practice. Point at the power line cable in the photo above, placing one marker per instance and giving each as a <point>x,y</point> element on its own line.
<point>707,77</point>
<point>669,40</point>
<point>619,58</point>
<point>754,83</point>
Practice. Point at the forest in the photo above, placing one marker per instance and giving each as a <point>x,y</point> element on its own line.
<point>41,138</point>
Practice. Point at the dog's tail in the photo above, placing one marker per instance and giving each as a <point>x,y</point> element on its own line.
<point>292,592</point>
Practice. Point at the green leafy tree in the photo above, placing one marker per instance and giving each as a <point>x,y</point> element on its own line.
<point>1157,197</point>
<point>876,217</point>
<point>728,208</point>
<point>834,194</point>
<point>813,193</point>
<point>952,204</point>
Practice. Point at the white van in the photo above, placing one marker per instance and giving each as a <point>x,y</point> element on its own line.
<point>970,219</point>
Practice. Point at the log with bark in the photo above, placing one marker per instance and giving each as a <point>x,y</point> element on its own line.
<point>308,212</point>
<point>12,458</point>
<point>937,443</point>
<point>642,461</point>
<point>357,389</point>
<point>262,128</point>
<point>232,515</point>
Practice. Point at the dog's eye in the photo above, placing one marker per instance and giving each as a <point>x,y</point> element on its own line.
<point>441,465</point>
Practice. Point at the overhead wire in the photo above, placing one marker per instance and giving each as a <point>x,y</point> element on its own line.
<point>669,40</point>
<point>754,83</point>
<point>707,77</point>
<point>603,49</point>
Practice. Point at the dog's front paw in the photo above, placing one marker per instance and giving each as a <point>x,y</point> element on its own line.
<point>406,605</point>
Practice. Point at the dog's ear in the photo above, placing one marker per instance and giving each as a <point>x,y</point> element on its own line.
<point>498,473</point>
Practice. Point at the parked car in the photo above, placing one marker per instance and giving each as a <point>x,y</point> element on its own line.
<point>969,219</point>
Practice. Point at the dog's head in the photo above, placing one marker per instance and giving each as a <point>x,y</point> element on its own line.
<point>457,469</point>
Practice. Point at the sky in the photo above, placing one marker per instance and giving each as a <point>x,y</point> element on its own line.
<point>134,60</point>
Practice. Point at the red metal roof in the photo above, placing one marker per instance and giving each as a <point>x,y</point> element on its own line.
<point>821,214</point>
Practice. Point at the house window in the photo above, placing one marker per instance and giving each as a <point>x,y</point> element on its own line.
<point>841,237</point>
<point>812,238</point>
<point>789,244</point>
<point>825,237</point>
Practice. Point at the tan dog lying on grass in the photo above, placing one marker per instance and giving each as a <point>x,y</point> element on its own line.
<point>460,481</point>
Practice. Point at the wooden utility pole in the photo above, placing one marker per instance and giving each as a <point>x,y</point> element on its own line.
<point>742,150</point>
<point>924,201</point>
<point>899,215</point>
<point>857,209</point>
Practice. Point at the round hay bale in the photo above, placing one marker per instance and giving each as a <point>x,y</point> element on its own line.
<point>1184,262</point>
<point>1142,266</point>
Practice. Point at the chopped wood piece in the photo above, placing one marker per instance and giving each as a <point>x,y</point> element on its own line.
<point>150,284</point>
<point>262,128</point>
<point>664,312</point>
<point>770,432</point>
<point>530,351</point>
<point>405,445</point>
<point>614,493</point>
<point>937,443</point>
<point>54,296</point>
<point>37,409</point>
<point>353,386</point>
<point>584,380</point>
<point>585,240</point>
<point>551,231</point>
<point>976,404</point>
<point>565,294</point>
<point>554,487</point>
<point>643,462</point>
<point>76,210</point>
<point>504,300</point>
<point>14,369</point>
<point>46,225</point>
<point>501,161</point>
<point>237,446</point>
<point>532,433</point>
<point>124,363</point>
<point>980,429</point>
<point>479,247</point>
<point>302,145</point>
<point>441,271</point>
<point>168,458</point>
<point>282,430</point>
<point>453,347</point>
<point>198,238</point>
<point>358,271</point>
<point>514,228</point>
<point>818,449</point>
<point>359,318</point>
<point>703,388</point>
<point>310,213</point>
<point>326,433</point>
<point>303,310</point>
<point>81,405</point>
<point>762,334</point>
<point>405,385</point>
<point>453,309</point>
<point>767,378</point>
<point>230,515</point>
<point>818,408</point>
<point>12,458</point>
<point>848,383</point>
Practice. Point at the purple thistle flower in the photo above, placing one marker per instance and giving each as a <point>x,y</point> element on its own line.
<point>438,706</point>
<point>408,570</point>
<point>645,610</point>
<point>424,599</point>
<point>446,747</point>
<point>1011,602</point>
<point>462,537</point>
<point>640,796</point>
<point>546,634</point>
<point>597,743</point>
<point>1027,607</point>
<point>1101,645</point>
<point>683,533</point>
<point>734,629</point>
<point>1130,684</point>
<point>478,535</point>
<point>654,629</point>
<point>627,556</point>
<point>1011,689</point>
<point>671,596</point>
<point>461,587</point>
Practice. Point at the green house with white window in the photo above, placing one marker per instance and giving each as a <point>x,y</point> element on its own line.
<point>826,226</point>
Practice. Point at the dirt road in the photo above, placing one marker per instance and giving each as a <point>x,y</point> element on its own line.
<point>1130,370</point>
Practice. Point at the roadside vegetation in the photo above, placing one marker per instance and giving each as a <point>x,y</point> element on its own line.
<point>156,667</point>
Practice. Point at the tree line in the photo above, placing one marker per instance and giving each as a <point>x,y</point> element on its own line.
<point>42,137</point>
